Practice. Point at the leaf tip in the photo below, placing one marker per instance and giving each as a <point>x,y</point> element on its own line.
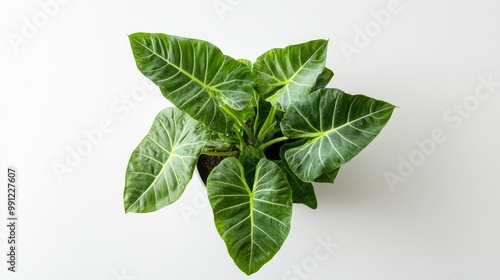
<point>126,208</point>
<point>313,205</point>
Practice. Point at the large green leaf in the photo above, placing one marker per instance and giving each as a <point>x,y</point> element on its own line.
<point>253,220</point>
<point>292,70</point>
<point>302,192</point>
<point>337,125</point>
<point>195,76</point>
<point>163,163</point>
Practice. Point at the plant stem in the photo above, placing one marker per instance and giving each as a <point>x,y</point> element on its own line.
<point>266,132</point>
<point>265,127</point>
<point>256,120</point>
<point>220,154</point>
<point>272,142</point>
<point>242,141</point>
<point>243,125</point>
<point>257,113</point>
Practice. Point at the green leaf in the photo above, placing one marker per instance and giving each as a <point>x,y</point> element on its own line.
<point>337,125</point>
<point>245,114</point>
<point>323,79</point>
<point>302,192</point>
<point>291,72</point>
<point>247,62</point>
<point>163,163</point>
<point>253,220</point>
<point>264,109</point>
<point>328,177</point>
<point>249,158</point>
<point>195,76</point>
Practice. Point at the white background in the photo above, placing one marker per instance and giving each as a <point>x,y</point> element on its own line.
<point>76,70</point>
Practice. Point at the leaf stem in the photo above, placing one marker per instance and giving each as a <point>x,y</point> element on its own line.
<point>243,125</point>
<point>257,113</point>
<point>266,132</point>
<point>272,142</point>
<point>256,121</point>
<point>220,154</point>
<point>242,141</point>
<point>265,127</point>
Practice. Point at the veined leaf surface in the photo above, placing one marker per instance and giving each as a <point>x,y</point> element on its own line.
<point>195,76</point>
<point>249,159</point>
<point>163,163</point>
<point>328,177</point>
<point>337,125</point>
<point>323,79</point>
<point>292,70</point>
<point>302,192</point>
<point>252,220</point>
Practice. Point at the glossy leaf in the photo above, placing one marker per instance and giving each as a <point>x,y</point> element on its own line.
<point>337,125</point>
<point>328,177</point>
<point>249,158</point>
<point>302,192</point>
<point>163,163</point>
<point>290,72</point>
<point>253,220</point>
<point>247,62</point>
<point>323,79</point>
<point>195,76</point>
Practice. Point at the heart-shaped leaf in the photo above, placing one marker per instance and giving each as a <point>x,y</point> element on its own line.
<point>292,70</point>
<point>195,76</point>
<point>337,125</point>
<point>163,163</point>
<point>253,220</point>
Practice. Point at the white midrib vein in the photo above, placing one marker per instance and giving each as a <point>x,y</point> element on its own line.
<point>320,134</point>
<point>189,75</point>
<point>296,73</point>
<point>251,199</point>
<point>170,157</point>
<point>252,222</point>
<point>154,181</point>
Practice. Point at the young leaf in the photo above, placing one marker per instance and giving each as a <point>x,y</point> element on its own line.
<point>163,163</point>
<point>253,221</point>
<point>292,70</point>
<point>337,125</point>
<point>195,76</point>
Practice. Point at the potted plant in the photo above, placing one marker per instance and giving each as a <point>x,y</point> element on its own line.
<point>264,133</point>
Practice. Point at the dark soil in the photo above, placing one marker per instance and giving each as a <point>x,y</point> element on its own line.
<point>207,163</point>
<point>273,151</point>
